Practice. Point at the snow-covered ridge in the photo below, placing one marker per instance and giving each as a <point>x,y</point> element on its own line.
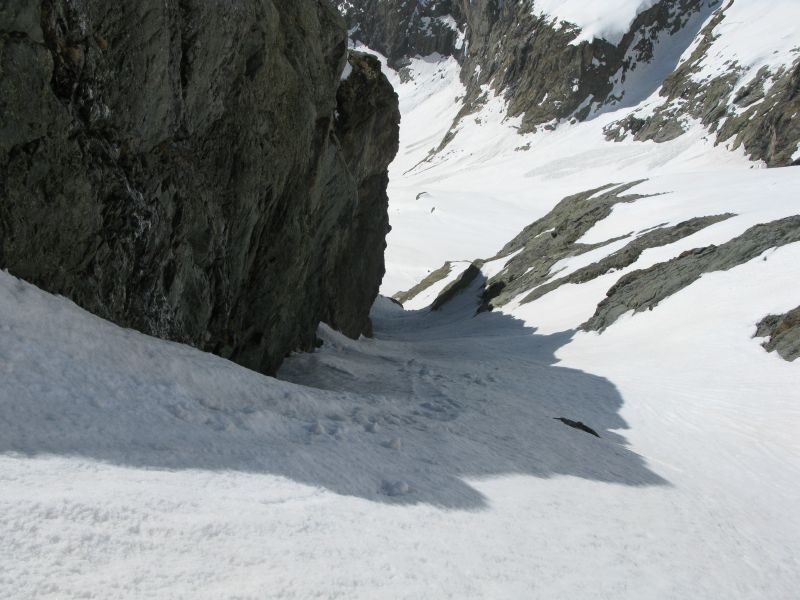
<point>609,20</point>
<point>752,36</point>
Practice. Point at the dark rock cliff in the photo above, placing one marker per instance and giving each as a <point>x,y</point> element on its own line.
<point>178,167</point>
<point>400,29</point>
<point>367,126</point>
<point>545,77</point>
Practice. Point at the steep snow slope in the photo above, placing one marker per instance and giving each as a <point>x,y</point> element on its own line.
<point>429,461</point>
<point>487,182</point>
<point>468,200</point>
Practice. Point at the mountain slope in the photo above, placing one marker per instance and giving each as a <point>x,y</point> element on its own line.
<point>579,400</point>
<point>555,62</point>
<point>133,466</point>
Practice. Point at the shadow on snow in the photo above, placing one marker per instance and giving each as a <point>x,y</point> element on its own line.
<point>435,403</point>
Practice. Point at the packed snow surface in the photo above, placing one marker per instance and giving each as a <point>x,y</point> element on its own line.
<point>429,462</point>
<point>424,463</point>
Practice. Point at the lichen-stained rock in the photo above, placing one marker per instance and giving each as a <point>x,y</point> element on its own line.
<point>782,333</point>
<point>174,166</point>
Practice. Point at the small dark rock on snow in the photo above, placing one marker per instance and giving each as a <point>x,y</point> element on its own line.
<point>577,425</point>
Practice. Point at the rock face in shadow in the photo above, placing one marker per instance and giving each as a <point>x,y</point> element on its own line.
<point>177,167</point>
<point>400,29</point>
<point>368,128</point>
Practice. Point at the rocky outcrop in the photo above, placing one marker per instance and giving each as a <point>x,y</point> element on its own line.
<point>533,62</point>
<point>629,254</point>
<point>530,270</point>
<point>180,169</point>
<point>401,29</point>
<point>529,59</point>
<point>782,333</point>
<point>645,289</point>
<point>546,78</point>
<point>462,282</point>
<point>533,254</point>
<point>580,426</point>
<point>762,115</point>
<point>368,129</point>
<point>433,278</point>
